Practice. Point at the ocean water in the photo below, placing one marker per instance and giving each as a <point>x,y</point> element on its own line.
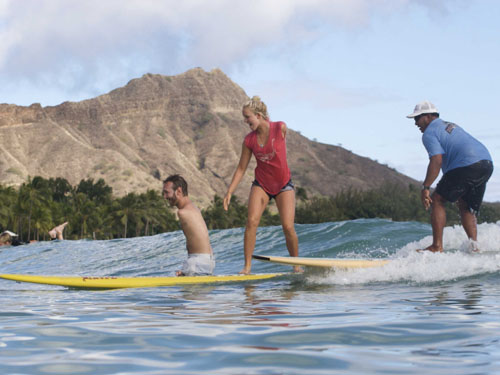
<point>420,314</point>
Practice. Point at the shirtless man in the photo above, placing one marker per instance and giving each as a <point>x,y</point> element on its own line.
<point>200,259</point>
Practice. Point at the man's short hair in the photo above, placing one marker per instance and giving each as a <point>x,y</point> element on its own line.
<point>177,181</point>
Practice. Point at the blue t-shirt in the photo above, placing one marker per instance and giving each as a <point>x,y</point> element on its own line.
<point>459,148</point>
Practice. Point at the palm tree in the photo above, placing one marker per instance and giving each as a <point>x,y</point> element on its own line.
<point>8,198</point>
<point>157,213</point>
<point>83,211</point>
<point>29,199</point>
<point>41,220</point>
<point>129,209</point>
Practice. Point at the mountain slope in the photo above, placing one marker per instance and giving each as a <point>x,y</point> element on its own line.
<point>137,135</point>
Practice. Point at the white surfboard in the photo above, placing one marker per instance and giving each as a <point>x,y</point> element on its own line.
<point>324,262</point>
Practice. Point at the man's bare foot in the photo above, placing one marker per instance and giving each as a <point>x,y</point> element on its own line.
<point>473,247</point>
<point>431,248</point>
<point>298,269</point>
<point>245,271</point>
<point>179,273</point>
<point>59,229</point>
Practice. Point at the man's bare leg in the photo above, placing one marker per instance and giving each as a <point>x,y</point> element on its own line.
<point>438,221</point>
<point>57,232</point>
<point>469,222</point>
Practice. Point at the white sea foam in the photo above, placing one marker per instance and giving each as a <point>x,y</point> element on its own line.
<point>408,265</point>
<point>455,239</point>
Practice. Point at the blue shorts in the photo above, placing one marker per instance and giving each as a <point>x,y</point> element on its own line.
<point>468,183</point>
<point>289,186</point>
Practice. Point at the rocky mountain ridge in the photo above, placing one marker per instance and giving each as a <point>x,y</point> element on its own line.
<point>136,135</point>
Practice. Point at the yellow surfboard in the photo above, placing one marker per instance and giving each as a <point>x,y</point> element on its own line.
<point>112,282</point>
<point>325,262</point>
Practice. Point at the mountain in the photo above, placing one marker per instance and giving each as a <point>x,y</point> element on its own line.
<point>136,135</point>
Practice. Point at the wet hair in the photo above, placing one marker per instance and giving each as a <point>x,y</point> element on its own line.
<point>5,239</point>
<point>177,181</point>
<point>257,106</point>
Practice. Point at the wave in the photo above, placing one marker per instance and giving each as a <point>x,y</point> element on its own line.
<point>365,238</point>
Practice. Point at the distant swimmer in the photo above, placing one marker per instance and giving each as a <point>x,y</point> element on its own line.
<point>267,142</point>
<point>8,238</point>
<point>56,233</point>
<point>5,239</point>
<point>200,259</point>
<point>466,165</point>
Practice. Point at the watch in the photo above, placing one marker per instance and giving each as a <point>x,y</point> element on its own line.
<point>426,188</point>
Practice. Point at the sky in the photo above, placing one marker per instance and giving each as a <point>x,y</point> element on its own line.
<point>342,72</point>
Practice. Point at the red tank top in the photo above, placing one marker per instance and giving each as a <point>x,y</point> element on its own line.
<point>272,172</point>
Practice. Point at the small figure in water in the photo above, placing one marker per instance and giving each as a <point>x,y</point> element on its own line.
<point>56,233</point>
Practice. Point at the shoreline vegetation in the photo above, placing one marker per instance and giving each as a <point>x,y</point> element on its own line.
<point>93,213</point>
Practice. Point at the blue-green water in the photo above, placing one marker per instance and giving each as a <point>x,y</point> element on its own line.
<point>422,313</point>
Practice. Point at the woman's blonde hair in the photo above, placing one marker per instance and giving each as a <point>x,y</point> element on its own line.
<point>257,106</point>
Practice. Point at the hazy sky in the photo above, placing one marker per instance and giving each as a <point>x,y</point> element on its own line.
<point>343,72</point>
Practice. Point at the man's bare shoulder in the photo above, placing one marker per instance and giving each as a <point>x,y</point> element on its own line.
<point>189,212</point>
<point>195,229</point>
<point>188,209</point>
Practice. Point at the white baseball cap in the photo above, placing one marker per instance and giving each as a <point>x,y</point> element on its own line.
<point>423,108</point>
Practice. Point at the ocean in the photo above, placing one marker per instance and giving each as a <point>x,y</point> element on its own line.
<point>422,313</point>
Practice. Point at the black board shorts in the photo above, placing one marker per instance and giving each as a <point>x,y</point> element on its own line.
<point>468,183</point>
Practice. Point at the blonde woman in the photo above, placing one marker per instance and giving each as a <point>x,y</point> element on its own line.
<point>267,142</point>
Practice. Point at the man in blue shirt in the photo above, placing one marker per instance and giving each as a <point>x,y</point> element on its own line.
<point>466,165</point>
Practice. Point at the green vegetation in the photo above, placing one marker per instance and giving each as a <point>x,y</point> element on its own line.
<point>92,212</point>
<point>235,217</point>
<point>15,171</point>
<point>390,202</point>
<point>161,132</point>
